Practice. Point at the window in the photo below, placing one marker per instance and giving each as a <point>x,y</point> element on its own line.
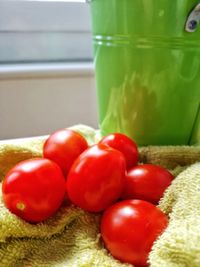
<point>46,68</point>
<point>44,31</point>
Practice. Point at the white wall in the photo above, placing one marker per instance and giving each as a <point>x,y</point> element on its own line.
<point>40,100</point>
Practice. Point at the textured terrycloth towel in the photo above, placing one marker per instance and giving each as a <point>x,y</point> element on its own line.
<point>71,237</point>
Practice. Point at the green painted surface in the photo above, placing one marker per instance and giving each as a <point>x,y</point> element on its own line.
<point>147,69</point>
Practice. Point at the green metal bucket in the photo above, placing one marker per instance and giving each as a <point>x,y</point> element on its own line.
<point>147,65</point>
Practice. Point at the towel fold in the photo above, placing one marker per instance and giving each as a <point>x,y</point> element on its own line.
<point>71,237</point>
<point>180,243</point>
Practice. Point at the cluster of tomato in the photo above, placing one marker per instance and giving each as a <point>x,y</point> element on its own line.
<point>106,178</point>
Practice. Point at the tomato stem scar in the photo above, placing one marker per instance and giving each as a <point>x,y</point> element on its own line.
<point>20,206</point>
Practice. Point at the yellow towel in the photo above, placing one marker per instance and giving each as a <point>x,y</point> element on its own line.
<point>71,237</point>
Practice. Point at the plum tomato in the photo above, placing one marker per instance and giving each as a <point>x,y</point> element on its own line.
<point>96,178</point>
<point>147,182</point>
<point>125,145</point>
<point>34,189</point>
<point>63,147</point>
<point>129,229</point>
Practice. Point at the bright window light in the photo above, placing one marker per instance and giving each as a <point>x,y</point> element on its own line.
<point>45,31</point>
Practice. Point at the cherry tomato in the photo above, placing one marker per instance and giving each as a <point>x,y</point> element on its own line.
<point>125,145</point>
<point>63,147</point>
<point>96,178</point>
<point>147,182</point>
<point>129,229</point>
<point>34,189</point>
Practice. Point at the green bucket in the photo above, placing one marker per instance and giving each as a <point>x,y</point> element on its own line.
<point>147,67</point>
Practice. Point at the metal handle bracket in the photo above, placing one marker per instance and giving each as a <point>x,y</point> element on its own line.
<point>193,19</point>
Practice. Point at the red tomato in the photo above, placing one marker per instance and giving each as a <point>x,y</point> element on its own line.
<point>63,147</point>
<point>96,178</point>
<point>129,229</point>
<point>147,182</point>
<point>125,145</point>
<point>34,189</point>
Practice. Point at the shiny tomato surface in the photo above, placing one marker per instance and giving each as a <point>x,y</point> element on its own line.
<point>147,182</point>
<point>125,145</point>
<point>129,229</point>
<point>34,189</point>
<point>63,147</point>
<point>96,178</point>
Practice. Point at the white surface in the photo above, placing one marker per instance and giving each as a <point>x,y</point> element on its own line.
<point>35,104</point>
<point>18,71</point>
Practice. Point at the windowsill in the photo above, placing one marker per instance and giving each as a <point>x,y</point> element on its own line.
<point>43,70</point>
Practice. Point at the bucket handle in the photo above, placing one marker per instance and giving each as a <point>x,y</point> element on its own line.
<point>193,19</point>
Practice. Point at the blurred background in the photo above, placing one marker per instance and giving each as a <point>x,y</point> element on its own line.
<point>46,70</point>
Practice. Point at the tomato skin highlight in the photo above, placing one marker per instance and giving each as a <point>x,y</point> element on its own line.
<point>96,178</point>
<point>63,147</point>
<point>147,182</point>
<point>129,229</point>
<point>125,145</point>
<point>34,189</point>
